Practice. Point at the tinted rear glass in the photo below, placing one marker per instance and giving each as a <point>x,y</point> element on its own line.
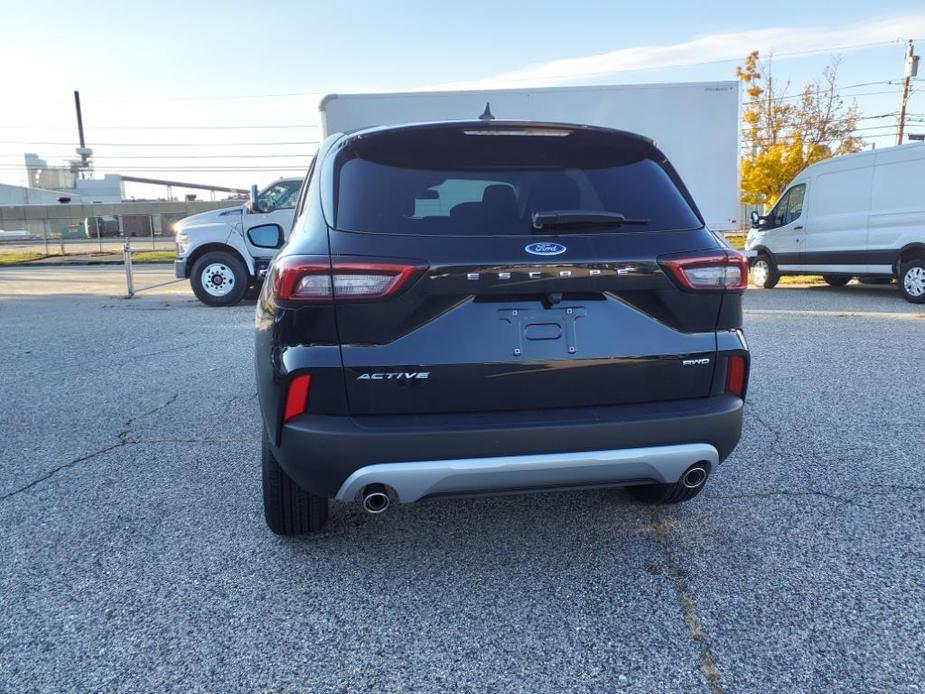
<point>445,181</point>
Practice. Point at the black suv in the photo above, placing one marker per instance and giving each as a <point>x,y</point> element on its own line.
<point>487,307</point>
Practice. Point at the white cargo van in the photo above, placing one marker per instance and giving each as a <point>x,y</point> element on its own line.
<point>858,215</point>
<point>223,252</point>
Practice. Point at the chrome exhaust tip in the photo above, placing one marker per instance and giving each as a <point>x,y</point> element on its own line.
<point>694,477</point>
<point>376,499</point>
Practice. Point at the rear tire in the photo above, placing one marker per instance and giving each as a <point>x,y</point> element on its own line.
<point>911,281</point>
<point>219,279</point>
<point>289,510</point>
<point>836,280</point>
<point>764,272</point>
<point>668,493</point>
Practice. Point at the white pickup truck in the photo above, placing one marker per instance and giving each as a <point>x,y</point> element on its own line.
<point>224,252</point>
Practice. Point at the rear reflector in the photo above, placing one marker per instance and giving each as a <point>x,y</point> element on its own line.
<point>727,271</point>
<point>735,375</point>
<point>297,280</point>
<point>297,396</point>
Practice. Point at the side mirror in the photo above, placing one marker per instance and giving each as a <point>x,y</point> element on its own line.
<point>266,236</point>
<point>252,204</point>
<point>758,222</point>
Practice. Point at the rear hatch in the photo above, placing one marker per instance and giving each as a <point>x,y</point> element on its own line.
<point>448,298</point>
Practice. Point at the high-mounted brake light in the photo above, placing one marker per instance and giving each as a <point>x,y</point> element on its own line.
<point>735,375</point>
<point>722,271</point>
<point>295,279</point>
<point>297,396</point>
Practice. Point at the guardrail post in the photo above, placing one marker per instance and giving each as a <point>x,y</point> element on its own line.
<point>127,256</point>
<point>45,235</point>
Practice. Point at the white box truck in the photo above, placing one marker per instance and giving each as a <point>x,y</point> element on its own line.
<point>695,124</point>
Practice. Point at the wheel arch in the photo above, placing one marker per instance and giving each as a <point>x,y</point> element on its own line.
<point>766,251</point>
<point>911,251</point>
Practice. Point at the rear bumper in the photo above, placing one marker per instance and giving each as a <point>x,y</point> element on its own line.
<point>458,453</point>
<point>416,480</point>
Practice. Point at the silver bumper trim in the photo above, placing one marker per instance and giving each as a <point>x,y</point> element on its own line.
<point>415,480</point>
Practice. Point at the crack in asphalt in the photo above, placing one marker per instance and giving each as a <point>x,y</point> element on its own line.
<point>54,471</point>
<point>708,667</point>
<point>129,426</point>
<point>123,440</point>
<point>141,442</point>
<point>775,434</point>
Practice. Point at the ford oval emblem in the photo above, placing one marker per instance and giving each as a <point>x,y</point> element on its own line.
<point>545,248</point>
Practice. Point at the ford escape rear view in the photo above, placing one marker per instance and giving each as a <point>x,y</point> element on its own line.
<point>487,307</point>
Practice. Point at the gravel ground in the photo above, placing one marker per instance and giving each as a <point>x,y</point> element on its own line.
<point>134,555</point>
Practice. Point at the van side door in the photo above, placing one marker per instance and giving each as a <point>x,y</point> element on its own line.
<point>785,234</point>
<point>836,239</point>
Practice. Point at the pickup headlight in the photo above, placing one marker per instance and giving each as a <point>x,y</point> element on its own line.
<point>182,243</point>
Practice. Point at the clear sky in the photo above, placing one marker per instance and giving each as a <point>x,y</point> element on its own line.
<point>201,70</point>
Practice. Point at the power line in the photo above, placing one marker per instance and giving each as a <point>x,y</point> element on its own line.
<point>164,127</point>
<point>746,129</point>
<point>792,97</point>
<point>840,89</point>
<point>301,155</point>
<point>227,97</point>
<point>225,169</point>
<point>166,144</point>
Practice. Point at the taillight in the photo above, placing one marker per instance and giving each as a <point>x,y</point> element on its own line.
<point>294,279</point>
<point>735,375</point>
<point>719,272</point>
<point>297,396</point>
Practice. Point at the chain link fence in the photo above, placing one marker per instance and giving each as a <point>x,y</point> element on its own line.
<point>46,230</point>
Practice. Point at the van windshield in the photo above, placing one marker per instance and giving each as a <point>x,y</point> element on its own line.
<point>445,182</point>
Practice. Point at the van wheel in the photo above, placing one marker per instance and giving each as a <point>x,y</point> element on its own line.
<point>289,509</point>
<point>912,281</point>
<point>689,486</point>
<point>764,272</point>
<point>218,279</point>
<point>836,280</point>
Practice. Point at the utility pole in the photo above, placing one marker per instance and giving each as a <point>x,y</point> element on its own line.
<point>83,152</point>
<point>80,120</point>
<point>911,70</point>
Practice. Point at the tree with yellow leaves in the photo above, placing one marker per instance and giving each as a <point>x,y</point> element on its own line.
<point>783,135</point>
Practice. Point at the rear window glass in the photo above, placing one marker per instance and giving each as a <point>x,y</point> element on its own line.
<point>446,182</point>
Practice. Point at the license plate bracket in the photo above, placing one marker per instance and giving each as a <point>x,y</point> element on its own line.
<point>546,325</point>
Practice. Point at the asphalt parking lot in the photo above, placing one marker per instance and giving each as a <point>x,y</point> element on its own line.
<point>135,558</point>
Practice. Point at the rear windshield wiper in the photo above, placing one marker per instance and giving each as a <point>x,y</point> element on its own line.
<point>581,218</point>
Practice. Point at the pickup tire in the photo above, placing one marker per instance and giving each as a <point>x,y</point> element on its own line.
<point>912,281</point>
<point>764,272</point>
<point>289,510</point>
<point>836,280</point>
<point>219,279</point>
